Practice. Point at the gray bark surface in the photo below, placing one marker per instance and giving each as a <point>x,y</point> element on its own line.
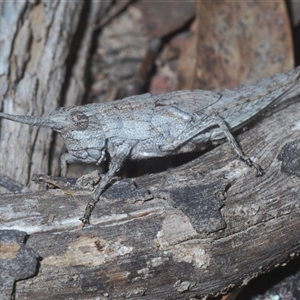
<point>169,235</point>
<point>44,51</point>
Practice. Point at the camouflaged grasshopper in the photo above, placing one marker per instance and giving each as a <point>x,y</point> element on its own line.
<point>147,126</point>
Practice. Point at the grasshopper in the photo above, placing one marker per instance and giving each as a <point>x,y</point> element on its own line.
<point>146,126</point>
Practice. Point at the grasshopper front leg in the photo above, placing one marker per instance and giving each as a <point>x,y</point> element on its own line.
<point>68,158</point>
<point>116,162</point>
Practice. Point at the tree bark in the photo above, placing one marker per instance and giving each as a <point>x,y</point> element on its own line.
<point>169,235</point>
<point>44,52</point>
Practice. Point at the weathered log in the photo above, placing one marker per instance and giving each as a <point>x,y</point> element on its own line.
<point>169,235</point>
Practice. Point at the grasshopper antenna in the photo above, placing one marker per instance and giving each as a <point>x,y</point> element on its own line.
<point>30,120</point>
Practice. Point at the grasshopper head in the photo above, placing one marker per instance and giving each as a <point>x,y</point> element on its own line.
<point>62,120</point>
<point>65,119</point>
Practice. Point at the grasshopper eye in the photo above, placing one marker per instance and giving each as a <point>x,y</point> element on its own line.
<point>80,120</point>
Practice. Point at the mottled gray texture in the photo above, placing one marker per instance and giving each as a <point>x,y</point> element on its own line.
<point>146,126</point>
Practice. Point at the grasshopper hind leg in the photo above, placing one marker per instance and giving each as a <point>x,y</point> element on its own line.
<point>223,126</point>
<point>197,128</point>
